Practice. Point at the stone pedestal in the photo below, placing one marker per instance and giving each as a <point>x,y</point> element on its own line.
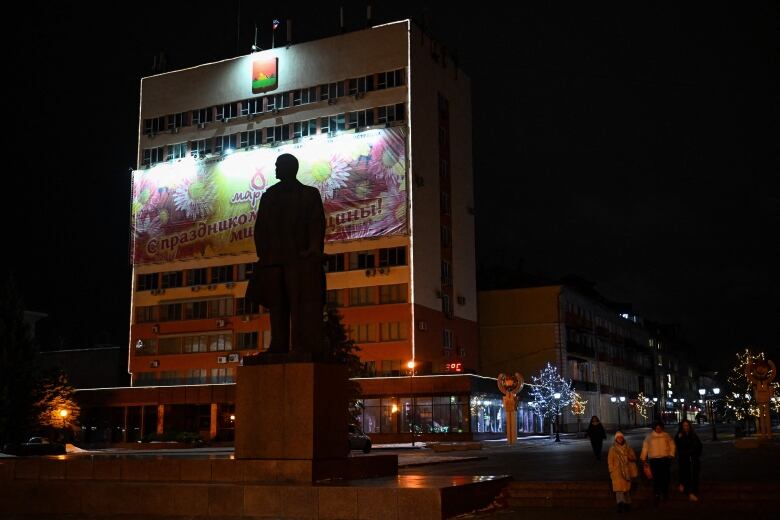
<point>294,414</point>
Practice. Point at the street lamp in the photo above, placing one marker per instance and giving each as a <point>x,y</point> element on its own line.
<point>615,400</point>
<point>410,366</point>
<point>557,396</point>
<point>709,403</point>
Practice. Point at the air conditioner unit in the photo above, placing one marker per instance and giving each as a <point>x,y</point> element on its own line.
<point>155,329</point>
<point>331,101</point>
<point>220,323</point>
<point>154,364</point>
<point>174,130</point>
<point>422,325</point>
<point>201,125</point>
<point>230,284</point>
<point>221,359</point>
<point>212,286</point>
<point>233,358</point>
<point>245,318</point>
<point>195,288</point>
<point>370,272</point>
<point>462,352</point>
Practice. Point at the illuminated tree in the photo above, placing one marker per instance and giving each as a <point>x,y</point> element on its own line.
<point>57,407</point>
<point>543,389</point>
<point>740,400</point>
<point>578,408</point>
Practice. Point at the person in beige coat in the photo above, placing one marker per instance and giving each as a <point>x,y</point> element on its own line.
<point>622,468</point>
<point>658,451</point>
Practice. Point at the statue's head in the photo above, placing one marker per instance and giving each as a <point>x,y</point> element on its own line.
<point>286,167</point>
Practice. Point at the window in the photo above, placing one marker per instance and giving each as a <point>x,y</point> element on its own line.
<point>304,96</point>
<point>395,293</point>
<point>169,346</point>
<point>390,113</point>
<point>153,155</point>
<point>146,314</point>
<point>446,208</point>
<point>145,379</point>
<point>220,308</point>
<point>446,305</point>
<point>252,106</point>
<point>251,138</point>
<point>392,331</point>
<point>446,236</point>
<point>266,339</point>
<point>391,367</point>
<point>361,260</point>
<point>361,296</point>
<point>223,143</point>
<point>197,276</point>
<point>369,369</point>
<point>362,332</point>
<point>154,125</point>
<point>447,338</point>
<point>172,279</point>
<point>176,151</point>
<point>336,297</point>
<point>277,134</point>
<point>227,111</point>
<point>220,342</point>
<point>170,312</point>
<point>333,123</point>
<point>245,271</point>
<point>222,375</point>
<point>176,121</point>
<point>246,340</point>
<point>332,90</point>
<point>360,119</point>
<point>444,168</point>
<point>202,116</point>
<point>282,100</point>
<point>392,256</point>
<point>222,274</point>
<point>443,137</point>
<point>335,263</point>
<point>200,147</point>
<point>245,307</point>
<point>196,310</point>
<point>305,128</point>
<point>361,84</point>
<point>197,376</point>
<point>195,344</point>
<point>145,282</point>
<point>390,79</point>
<point>446,275</point>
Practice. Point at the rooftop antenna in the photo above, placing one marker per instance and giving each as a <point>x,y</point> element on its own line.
<point>255,48</point>
<point>274,27</point>
<point>368,15</point>
<point>341,17</point>
<point>288,24</point>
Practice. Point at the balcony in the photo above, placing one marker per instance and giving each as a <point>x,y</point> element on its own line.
<point>573,347</point>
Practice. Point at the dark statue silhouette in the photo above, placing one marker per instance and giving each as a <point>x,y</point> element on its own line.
<point>289,279</point>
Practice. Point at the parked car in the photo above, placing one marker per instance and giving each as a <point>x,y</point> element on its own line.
<point>358,440</point>
<point>35,446</point>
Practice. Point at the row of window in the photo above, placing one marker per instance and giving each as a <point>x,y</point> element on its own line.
<point>373,332</point>
<point>275,134</point>
<point>195,376</point>
<point>274,102</point>
<point>372,295</point>
<point>200,343</point>
<point>386,257</point>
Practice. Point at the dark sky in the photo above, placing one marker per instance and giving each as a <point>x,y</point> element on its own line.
<point>637,148</point>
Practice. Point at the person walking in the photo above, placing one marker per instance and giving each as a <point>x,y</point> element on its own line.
<point>596,434</point>
<point>658,450</point>
<point>622,469</point>
<point>688,447</point>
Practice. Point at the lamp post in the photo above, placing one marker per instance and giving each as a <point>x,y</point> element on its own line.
<point>410,366</point>
<point>617,402</point>
<point>709,403</point>
<point>557,396</point>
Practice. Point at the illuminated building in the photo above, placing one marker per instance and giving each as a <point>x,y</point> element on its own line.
<point>380,120</point>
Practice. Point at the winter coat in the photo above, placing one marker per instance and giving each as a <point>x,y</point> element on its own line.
<point>619,461</point>
<point>688,446</point>
<point>657,446</point>
<point>596,433</point>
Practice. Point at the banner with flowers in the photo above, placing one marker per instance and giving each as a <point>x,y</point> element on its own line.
<point>194,208</point>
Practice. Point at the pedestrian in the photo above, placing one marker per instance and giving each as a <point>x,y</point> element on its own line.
<point>596,434</point>
<point>622,470</point>
<point>657,452</point>
<point>688,454</point>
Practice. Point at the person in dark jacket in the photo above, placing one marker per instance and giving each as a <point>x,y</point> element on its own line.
<point>688,454</point>
<point>596,434</point>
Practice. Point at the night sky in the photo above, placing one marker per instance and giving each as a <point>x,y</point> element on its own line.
<point>636,148</point>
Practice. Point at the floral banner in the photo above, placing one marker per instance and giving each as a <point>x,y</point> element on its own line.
<point>203,208</point>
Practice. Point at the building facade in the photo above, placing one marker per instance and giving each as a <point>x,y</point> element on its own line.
<point>603,350</point>
<point>380,120</point>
